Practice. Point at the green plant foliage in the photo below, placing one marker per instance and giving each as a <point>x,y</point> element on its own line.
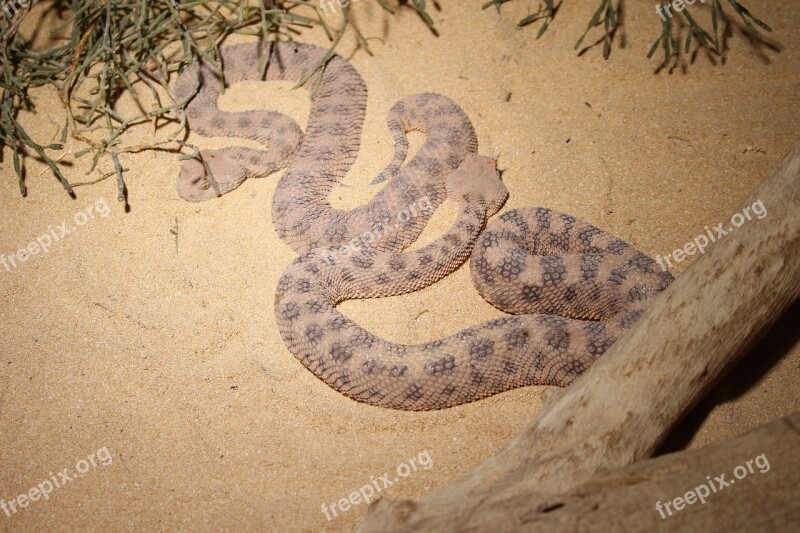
<point>105,47</point>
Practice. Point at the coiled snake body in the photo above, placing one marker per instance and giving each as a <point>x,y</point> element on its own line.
<point>573,288</point>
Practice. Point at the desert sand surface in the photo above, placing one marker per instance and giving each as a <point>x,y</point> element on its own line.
<point>147,341</point>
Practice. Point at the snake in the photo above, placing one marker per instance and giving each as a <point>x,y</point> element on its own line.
<point>569,289</point>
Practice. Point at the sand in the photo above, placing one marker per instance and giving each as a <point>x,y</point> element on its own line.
<point>146,340</point>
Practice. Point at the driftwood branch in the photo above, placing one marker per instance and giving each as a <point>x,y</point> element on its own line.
<point>625,405</point>
<point>748,483</point>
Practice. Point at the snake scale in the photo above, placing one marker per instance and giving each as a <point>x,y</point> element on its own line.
<point>572,289</point>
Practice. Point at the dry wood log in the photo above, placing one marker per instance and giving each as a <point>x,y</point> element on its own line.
<point>748,483</point>
<point>625,405</point>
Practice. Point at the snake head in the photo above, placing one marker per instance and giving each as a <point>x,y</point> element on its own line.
<point>477,179</point>
<point>193,182</point>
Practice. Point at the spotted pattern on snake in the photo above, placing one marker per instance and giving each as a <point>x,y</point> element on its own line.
<point>320,158</point>
<point>572,288</point>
